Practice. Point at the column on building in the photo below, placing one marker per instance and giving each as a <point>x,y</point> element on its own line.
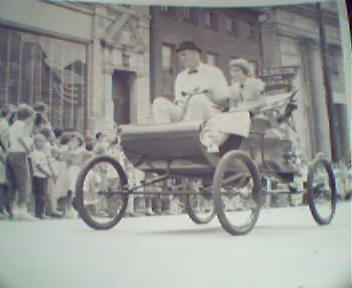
<point>290,54</point>
<point>304,124</point>
<point>140,112</point>
<point>107,102</point>
<point>319,114</point>
<point>95,88</point>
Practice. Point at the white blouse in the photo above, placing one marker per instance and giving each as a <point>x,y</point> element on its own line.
<point>249,91</point>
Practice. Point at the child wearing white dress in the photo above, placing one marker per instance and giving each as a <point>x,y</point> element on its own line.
<point>74,162</point>
<point>50,195</point>
<point>60,166</point>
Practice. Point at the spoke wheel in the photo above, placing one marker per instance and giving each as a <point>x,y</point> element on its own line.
<point>236,193</point>
<point>200,207</point>
<point>321,191</point>
<point>100,199</point>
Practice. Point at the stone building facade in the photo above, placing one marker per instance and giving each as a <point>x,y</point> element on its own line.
<point>291,37</point>
<point>89,63</point>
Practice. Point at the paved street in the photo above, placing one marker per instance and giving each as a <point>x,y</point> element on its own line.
<point>286,249</point>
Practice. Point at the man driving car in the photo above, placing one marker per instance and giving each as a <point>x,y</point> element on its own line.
<point>199,89</point>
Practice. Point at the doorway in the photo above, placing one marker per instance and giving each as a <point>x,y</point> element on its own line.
<point>121,90</point>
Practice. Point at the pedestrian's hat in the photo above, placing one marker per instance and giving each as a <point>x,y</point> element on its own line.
<point>188,45</point>
<point>24,111</point>
<point>242,63</point>
<point>6,109</point>
<point>39,106</point>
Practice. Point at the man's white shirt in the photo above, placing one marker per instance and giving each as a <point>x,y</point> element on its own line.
<point>206,78</point>
<point>251,89</point>
<point>19,129</point>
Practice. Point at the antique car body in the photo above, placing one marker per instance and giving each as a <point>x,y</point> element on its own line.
<point>235,172</point>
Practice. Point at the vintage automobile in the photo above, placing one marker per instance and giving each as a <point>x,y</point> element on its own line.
<point>227,184</point>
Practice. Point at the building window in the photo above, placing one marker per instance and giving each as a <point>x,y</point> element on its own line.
<point>252,31</point>
<point>167,56</point>
<point>211,20</point>
<point>190,15</point>
<point>211,58</point>
<point>167,63</point>
<point>232,26</point>
<point>249,30</point>
<point>168,11</point>
<point>39,68</point>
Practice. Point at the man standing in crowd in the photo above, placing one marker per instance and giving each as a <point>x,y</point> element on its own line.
<point>20,142</point>
<point>5,114</point>
<point>199,90</point>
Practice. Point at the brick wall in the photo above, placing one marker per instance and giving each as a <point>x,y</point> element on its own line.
<point>175,29</point>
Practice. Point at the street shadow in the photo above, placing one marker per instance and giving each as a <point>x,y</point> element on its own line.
<point>269,229</point>
<point>196,231</point>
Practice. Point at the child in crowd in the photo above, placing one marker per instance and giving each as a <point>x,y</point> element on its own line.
<point>41,120</point>
<point>20,144</point>
<point>90,142</point>
<point>98,180</point>
<point>41,174</point>
<point>50,197</point>
<point>60,165</point>
<point>58,133</point>
<point>74,159</point>
<point>101,142</point>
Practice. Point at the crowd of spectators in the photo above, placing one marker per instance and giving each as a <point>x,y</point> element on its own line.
<point>39,166</point>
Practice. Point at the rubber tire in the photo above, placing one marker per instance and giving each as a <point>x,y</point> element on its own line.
<point>219,208</point>
<point>194,216</point>
<point>79,192</point>
<point>332,184</point>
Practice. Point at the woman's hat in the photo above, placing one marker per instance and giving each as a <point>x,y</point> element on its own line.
<point>242,63</point>
<point>188,45</point>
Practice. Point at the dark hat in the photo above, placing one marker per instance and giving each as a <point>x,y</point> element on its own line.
<point>188,45</point>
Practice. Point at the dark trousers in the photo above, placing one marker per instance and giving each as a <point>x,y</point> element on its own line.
<point>19,175</point>
<point>4,202</point>
<point>39,189</point>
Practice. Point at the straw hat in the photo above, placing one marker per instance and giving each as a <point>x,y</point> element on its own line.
<point>242,63</point>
